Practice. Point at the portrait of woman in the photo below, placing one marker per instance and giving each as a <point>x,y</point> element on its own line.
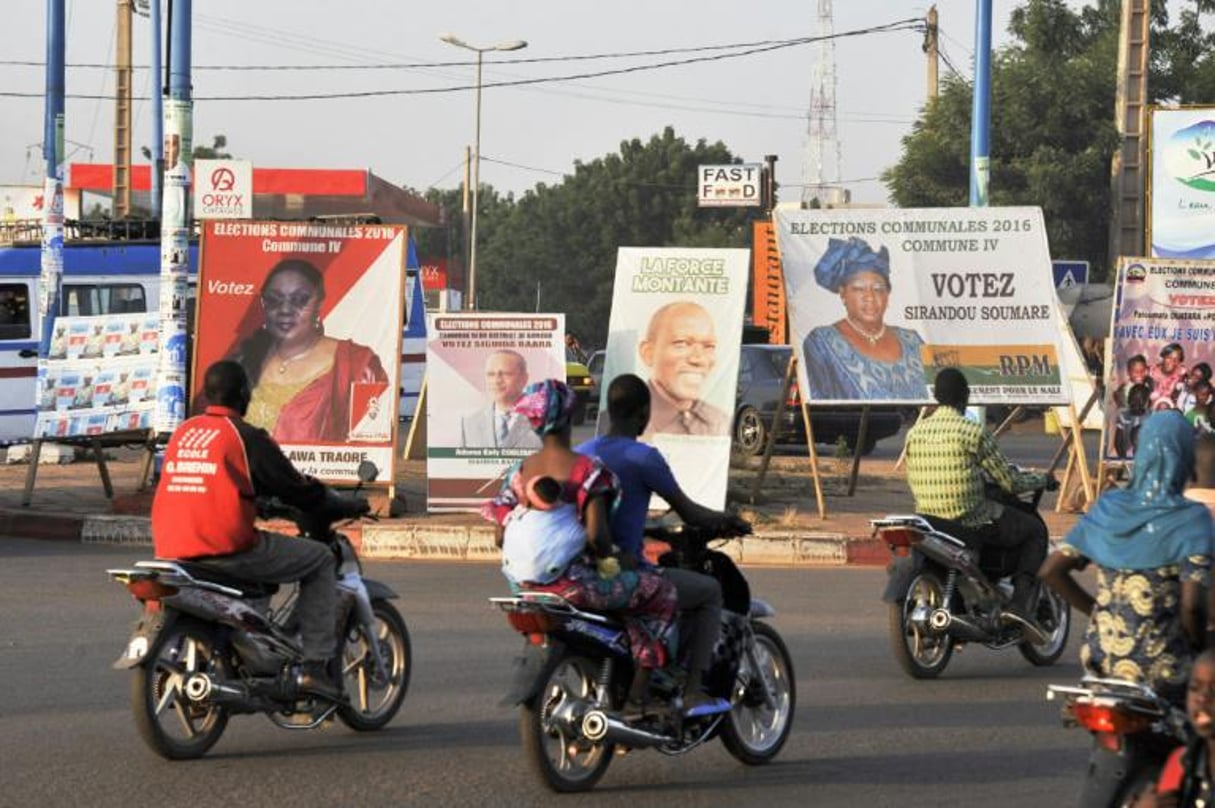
<point>859,357</point>
<point>302,378</point>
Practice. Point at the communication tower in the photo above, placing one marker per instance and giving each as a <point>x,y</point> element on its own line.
<point>821,167</point>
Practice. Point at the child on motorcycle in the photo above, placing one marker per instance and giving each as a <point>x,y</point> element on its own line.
<point>647,600</point>
<point>1186,780</point>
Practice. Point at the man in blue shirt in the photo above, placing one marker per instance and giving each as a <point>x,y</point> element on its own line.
<point>642,472</point>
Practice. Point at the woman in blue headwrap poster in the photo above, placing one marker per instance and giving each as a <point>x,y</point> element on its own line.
<point>1152,549</point>
<point>860,357</point>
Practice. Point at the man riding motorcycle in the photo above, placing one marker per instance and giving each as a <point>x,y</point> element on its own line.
<point>642,472</point>
<point>215,467</point>
<point>946,453</point>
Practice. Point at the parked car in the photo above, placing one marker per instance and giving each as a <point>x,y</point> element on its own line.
<point>579,378</point>
<point>761,373</point>
<point>594,366</point>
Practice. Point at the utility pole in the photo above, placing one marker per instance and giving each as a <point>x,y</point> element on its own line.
<point>1128,168</point>
<point>52,186</point>
<point>932,48</point>
<point>465,218</point>
<point>980,115</point>
<point>122,113</point>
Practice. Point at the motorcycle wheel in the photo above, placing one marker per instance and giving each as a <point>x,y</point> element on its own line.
<point>921,654</point>
<point>1055,615</point>
<point>374,703</point>
<point>170,723</point>
<point>755,732</point>
<point>550,728</point>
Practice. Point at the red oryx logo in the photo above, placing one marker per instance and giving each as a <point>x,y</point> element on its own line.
<point>222,179</point>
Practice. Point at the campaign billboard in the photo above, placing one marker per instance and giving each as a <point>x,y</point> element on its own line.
<point>880,300</point>
<point>313,312</point>
<point>478,364</point>
<point>100,376</point>
<point>1181,201</point>
<point>1162,348</point>
<point>676,321</point>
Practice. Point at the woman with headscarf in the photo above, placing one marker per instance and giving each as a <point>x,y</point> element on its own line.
<point>859,357</point>
<point>1152,548</point>
<point>586,574</point>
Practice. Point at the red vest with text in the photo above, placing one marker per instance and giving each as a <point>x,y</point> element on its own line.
<point>204,504</point>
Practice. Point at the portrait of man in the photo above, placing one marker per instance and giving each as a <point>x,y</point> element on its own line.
<point>496,425</point>
<point>679,350</point>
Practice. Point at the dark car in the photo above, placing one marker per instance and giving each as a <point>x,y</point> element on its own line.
<point>761,373</point>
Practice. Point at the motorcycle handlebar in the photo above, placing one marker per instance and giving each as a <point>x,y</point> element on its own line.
<point>729,528</point>
<point>317,521</point>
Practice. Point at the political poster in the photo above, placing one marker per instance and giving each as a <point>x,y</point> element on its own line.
<point>880,300</point>
<point>676,322</point>
<point>99,377</point>
<point>1181,206</point>
<point>313,311</point>
<point>478,364</point>
<point>1162,348</point>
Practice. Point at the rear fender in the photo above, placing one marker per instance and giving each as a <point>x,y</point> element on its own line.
<point>901,570</point>
<point>530,669</point>
<point>379,591</point>
<point>147,628</point>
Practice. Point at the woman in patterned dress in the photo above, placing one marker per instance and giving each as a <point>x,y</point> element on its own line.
<point>1152,549</point>
<point>646,599</point>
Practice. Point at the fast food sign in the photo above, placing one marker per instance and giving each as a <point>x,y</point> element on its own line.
<point>728,186</point>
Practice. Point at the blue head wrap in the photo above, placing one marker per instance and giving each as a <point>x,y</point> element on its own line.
<point>1149,524</point>
<point>843,259</point>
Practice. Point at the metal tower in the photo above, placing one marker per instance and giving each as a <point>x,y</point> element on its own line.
<point>821,167</point>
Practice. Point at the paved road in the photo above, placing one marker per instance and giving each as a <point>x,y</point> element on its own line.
<point>865,735</point>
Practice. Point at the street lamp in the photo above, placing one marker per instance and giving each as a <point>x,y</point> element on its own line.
<point>452,39</point>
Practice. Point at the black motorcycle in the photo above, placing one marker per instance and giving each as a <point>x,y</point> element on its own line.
<point>208,647</point>
<point>1133,730</point>
<point>573,676</point>
<point>946,589</point>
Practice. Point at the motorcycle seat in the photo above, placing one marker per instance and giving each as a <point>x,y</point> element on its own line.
<point>250,589</point>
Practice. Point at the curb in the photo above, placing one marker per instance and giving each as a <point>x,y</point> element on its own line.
<point>386,541</point>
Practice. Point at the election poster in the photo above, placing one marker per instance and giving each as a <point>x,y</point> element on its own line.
<point>1181,207</point>
<point>100,376</point>
<point>477,367</point>
<point>1162,348</point>
<point>313,312</point>
<point>880,300</point>
<point>676,322</point>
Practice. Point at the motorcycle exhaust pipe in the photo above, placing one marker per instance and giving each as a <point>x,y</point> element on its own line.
<point>943,620</point>
<point>201,687</point>
<point>598,726</point>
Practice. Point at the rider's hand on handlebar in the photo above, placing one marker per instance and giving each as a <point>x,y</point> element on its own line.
<point>1052,483</point>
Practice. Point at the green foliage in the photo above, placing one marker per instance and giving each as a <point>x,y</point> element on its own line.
<point>213,152</point>
<point>562,238</point>
<point>1052,118</point>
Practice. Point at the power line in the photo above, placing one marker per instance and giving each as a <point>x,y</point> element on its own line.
<point>902,25</point>
<point>463,63</point>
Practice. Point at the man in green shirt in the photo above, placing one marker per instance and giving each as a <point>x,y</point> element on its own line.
<point>946,455</point>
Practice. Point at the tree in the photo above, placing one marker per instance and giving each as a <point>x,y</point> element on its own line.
<point>558,242</point>
<point>212,152</point>
<point>1052,118</point>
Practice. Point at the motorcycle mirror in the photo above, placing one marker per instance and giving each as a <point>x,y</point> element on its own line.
<point>368,471</point>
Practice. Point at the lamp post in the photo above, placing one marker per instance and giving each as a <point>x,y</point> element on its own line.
<point>452,39</point>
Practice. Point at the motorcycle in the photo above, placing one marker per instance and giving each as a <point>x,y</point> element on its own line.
<point>1133,730</point>
<point>208,647</point>
<point>944,593</point>
<point>573,676</point>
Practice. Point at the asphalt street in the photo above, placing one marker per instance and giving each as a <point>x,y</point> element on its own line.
<point>865,734</point>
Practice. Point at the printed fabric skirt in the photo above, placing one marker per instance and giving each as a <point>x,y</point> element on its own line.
<point>646,600</point>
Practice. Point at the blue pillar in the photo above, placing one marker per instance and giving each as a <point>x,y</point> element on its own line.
<point>175,225</point>
<point>980,123</point>
<point>52,188</point>
<point>157,109</point>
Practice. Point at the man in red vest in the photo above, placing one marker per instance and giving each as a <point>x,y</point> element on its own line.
<point>214,468</point>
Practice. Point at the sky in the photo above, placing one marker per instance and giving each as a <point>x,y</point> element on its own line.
<point>755,104</point>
